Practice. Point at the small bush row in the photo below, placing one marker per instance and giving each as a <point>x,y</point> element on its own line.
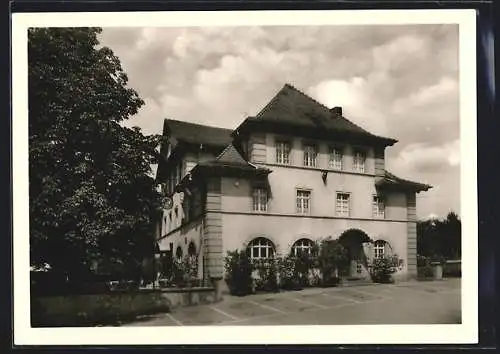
<point>183,273</point>
<point>320,267</point>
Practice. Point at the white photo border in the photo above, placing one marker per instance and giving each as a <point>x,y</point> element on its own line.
<point>464,333</point>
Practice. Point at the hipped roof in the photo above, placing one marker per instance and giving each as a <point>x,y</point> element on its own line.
<point>193,133</point>
<point>293,108</point>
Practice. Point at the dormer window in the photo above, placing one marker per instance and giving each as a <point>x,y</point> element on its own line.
<point>358,162</point>
<point>310,155</point>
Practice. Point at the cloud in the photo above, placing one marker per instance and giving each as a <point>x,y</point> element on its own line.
<point>143,118</point>
<point>422,157</point>
<point>354,97</point>
<point>396,81</point>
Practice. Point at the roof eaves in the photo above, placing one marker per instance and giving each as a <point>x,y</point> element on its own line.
<point>395,180</point>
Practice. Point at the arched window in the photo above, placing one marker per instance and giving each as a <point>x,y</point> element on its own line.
<point>178,252</point>
<point>302,246</point>
<point>191,249</point>
<point>381,249</point>
<point>260,248</point>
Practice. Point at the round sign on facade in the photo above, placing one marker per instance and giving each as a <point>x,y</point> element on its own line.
<point>168,203</point>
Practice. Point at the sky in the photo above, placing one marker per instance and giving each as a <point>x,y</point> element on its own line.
<point>399,81</point>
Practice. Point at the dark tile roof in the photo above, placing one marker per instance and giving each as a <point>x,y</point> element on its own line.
<point>197,133</point>
<point>293,107</point>
<point>230,157</point>
<point>393,180</point>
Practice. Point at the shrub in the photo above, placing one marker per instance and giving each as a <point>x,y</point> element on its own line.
<point>304,264</point>
<point>424,267</point>
<point>289,275</point>
<point>267,274</point>
<point>422,261</point>
<point>179,273</point>
<point>332,260</point>
<point>382,268</point>
<point>185,272</point>
<point>238,270</point>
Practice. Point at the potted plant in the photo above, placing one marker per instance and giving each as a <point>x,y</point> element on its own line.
<point>438,262</point>
<point>382,268</point>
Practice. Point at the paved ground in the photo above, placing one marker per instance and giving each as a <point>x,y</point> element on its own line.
<point>436,302</point>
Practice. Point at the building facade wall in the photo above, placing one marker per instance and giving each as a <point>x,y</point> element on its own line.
<point>213,228</point>
<point>412,235</point>
<point>284,181</point>
<point>182,237</point>
<point>283,231</point>
<point>229,222</point>
<point>281,225</point>
<point>297,154</point>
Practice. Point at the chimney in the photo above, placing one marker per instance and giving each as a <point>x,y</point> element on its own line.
<point>337,111</point>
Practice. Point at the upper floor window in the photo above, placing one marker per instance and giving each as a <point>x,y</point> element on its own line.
<point>336,158</point>
<point>283,152</point>
<point>259,199</point>
<point>342,204</point>
<point>310,154</point>
<point>303,201</point>
<point>358,163</point>
<point>378,207</point>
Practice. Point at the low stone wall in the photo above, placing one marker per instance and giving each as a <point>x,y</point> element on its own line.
<point>452,268</point>
<point>114,307</point>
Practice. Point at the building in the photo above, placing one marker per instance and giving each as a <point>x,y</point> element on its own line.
<point>294,173</point>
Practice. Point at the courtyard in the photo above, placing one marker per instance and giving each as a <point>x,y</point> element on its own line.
<point>432,302</point>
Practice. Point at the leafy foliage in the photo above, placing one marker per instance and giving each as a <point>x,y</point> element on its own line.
<point>91,198</point>
<point>291,272</point>
<point>267,274</point>
<point>440,238</point>
<point>333,260</point>
<point>238,269</point>
<point>382,268</point>
<point>185,271</point>
<point>424,267</point>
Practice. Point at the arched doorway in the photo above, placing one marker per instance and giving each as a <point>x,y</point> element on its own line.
<point>356,241</point>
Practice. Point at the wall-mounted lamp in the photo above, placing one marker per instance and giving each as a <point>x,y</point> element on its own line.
<point>324,176</point>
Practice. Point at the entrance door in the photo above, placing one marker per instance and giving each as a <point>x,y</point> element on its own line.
<point>353,240</point>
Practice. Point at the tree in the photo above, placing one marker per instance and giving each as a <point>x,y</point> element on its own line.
<point>91,198</point>
<point>440,237</point>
